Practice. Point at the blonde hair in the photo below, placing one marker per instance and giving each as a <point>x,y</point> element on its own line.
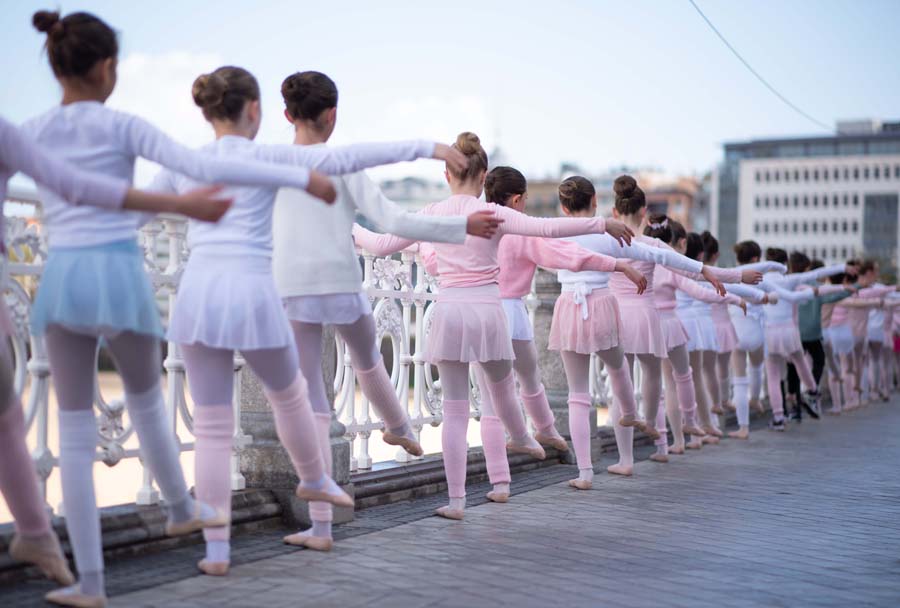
<point>469,144</point>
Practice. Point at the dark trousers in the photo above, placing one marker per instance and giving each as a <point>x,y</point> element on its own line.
<point>815,350</point>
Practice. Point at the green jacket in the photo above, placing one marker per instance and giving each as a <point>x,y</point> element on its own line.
<point>809,314</point>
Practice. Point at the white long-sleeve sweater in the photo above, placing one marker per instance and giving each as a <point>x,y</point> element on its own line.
<point>314,251</point>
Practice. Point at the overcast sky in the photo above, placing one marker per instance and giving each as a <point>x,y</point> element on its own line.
<point>600,83</point>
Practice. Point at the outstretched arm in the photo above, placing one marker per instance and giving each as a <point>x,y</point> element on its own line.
<point>379,244</point>
<point>558,254</point>
<point>698,292</point>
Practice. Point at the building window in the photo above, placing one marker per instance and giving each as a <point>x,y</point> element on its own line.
<point>815,175</point>
<point>865,173</point>
<point>766,202</point>
<point>897,171</point>
<point>846,201</point>
<point>845,226</point>
<point>856,200</point>
<point>766,227</point>
<point>825,200</point>
<point>767,176</point>
<point>844,252</point>
<point>825,227</point>
<point>855,172</point>
<point>805,227</point>
<point>846,174</point>
<point>834,200</point>
<point>834,226</point>
<point>757,176</point>
<point>797,174</point>
<point>815,200</point>
<point>806,175</point>
<point>796,201</point>
<point>756,202</point>
<point>876,172</point>
<point>887,172</point>
<point>776,202</point>
<point>855,226</point>
<point>825,174</point>
<point>815,227</point>
<point>805,201</point>
<point>836,174</point>
<point>756,227</point>
<point>775,227</point>
<point>777,175</point>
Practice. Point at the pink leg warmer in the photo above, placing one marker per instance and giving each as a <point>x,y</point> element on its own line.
<point>493,438</point>
<point>296,428</point>
<point>506,406</point>
<point>661,426</point>
<point>213,431</point>
<point>323,511</point>
<point>453,444</point>
<point>773,382</point>
<point>580,428</point>
<point>376,386</point>
<point>18,478</point>
<point>687,396</point>
<point>538,408</point>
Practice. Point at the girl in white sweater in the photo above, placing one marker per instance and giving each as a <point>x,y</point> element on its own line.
<point>318,276</point>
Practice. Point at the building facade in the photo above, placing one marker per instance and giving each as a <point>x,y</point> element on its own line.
<point>833,197</point>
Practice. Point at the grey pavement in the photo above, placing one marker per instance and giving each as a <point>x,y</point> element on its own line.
<point>807,518</point>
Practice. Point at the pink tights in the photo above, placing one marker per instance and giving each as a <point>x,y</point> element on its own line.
<point>775,366</point>
<point>210,374</point>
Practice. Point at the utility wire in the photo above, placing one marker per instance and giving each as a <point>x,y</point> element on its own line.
<point>755,73</point>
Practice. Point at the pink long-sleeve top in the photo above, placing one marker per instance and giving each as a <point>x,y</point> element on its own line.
<point>476,261</point>
<point>621,286</point>
<point>666,283</point>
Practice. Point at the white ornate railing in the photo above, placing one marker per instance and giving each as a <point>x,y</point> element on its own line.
<point>402,294</point>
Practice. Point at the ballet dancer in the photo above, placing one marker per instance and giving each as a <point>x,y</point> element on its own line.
<point>34,540</point>
<point>94,284</point>
<point>318,277</point>
<point>469,324</point>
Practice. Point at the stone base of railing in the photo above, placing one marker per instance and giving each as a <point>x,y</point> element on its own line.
<point>130,530</point>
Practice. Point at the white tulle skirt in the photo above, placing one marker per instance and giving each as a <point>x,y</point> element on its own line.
<point>517,317</point>
<point>229,302</point>
<point>328,309</point>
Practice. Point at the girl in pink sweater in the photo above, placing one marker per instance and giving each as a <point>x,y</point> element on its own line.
<point>469,324</point>
<point>519,257</point>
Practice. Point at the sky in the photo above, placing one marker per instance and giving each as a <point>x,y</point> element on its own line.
<point>600,84</point>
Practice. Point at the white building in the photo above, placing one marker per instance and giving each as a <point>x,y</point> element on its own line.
<point>831,197</point>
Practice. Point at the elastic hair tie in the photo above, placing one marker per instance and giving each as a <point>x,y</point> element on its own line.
<point>661,224</point>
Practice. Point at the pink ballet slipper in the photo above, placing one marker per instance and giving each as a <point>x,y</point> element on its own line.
<point>213,568</point>
<point>450,513</point>
<point>552,439</point>
<point>219,518</point>
<point>305,539</point>
<point>408,442</point>
<point>45,553</point>
<point>659,457</point>
<point>72,596</point>
<point>497,496</point>
<point>581,484</point>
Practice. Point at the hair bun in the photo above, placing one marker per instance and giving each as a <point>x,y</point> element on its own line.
<point>209,90</point>
<point>48,22</point>
<point>624,186</point>
<point>468,143</point>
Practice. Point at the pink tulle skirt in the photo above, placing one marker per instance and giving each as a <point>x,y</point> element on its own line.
<point>672,329</point>
<point>571,331</point>
<point>726,336</point>
<point>469,324</point>
<point>783,339</point>
<point>640,331</point>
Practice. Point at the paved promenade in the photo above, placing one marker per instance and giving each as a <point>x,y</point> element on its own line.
<point>806,518</point>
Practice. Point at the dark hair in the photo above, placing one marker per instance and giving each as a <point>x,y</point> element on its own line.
<point>469,144</point>
<point>76,42</point>
<point>502,183</point>
<point>746,251</point>
<point>798,261</point>
<point>710,245</point>
<point>223,93</point>
<point>774,254</point>
<point>307,94</point>
<point>866,265</point>
<point>837,279</point>
<point>694,246</point>
<point>663,229</point>
<point>629,196</point>
<point>816,263</point>
<point>678,231</point>
<point>576,192</point>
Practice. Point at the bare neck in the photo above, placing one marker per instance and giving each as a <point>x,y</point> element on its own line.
<point>305,135</point>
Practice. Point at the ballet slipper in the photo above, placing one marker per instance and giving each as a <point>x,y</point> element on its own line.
<point>409,444</point>
<point>659,458</point>
<point>649,430</point>
<point>305,539</point>
<point>552,439</point>
<point>530,447</point>
<point>717,410</point>
<point>677,450</point>
<point>631,420</point>
<point>730,406</point>
<point>696,443</point>
<point>691,429</point>
<point>495,496</point>
<point>833,411</point>
<point>711,430</point>
<point>45,553</point>
<point>449,513</point>
<point>757,406</point>
<point>198,522</point>
<point>742,433</point>
<point>213,568</point>
<point>72,596</point>
<point>710,439</point>
<point>581,484</point>
<point>620,469</point>
<point>325,494</point>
